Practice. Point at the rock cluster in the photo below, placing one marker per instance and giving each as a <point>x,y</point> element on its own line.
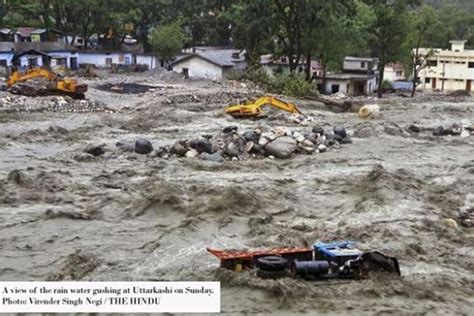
<point>18,103</point>
<point>279,142</point>
<point>453,130</point>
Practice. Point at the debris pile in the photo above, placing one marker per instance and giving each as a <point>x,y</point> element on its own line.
<point>13,103</point>
<point>161,73</point>
<point>34,87</point>
<point>218,98</point>
<point>453,130</point>
<point>67,104</point>
<point>122,88</point>
<point>279,142</point>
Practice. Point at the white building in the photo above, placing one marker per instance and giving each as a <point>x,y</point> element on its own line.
<point>273,65</point>
<point>448,69</point>
<point>394,72</point>
<point>359,77</point>
<point>152,61</point>
<point>105,59</point>
<point>60,54</point>
<point>214,64</point>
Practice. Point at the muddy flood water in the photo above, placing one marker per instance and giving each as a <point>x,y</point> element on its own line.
<point>121,216</point>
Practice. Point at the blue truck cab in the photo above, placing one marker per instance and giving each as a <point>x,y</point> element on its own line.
<point>338,252</point>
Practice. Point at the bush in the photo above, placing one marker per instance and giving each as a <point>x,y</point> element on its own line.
<point>386,85</point>
<point>294,85</point>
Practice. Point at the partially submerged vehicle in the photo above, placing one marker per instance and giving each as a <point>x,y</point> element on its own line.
<point>336,260</point>
<point>249,109</point>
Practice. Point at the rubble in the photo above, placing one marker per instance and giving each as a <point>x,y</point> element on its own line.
<point>24,104</point>
<point>455,129</point>
<point>127,88</point>
<point>279,142</point>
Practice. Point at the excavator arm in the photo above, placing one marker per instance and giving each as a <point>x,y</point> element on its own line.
<point>17,76</point>
<point>57,85</point>
<point>255,108</point>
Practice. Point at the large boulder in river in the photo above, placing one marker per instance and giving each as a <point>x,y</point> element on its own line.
<point>202,145</point>
<point>282,147</point>
<point>143,146</point>
<point>180,148</point>
<point>215,157</point>
<point>95,149</point>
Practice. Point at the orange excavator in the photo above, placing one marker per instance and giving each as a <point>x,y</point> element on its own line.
<point>57,84</point>
<point>253,109</point>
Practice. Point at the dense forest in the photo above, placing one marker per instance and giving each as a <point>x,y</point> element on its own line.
<point>300,29</point>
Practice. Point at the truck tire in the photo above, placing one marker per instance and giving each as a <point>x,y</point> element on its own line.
<point>271,274</point>
<point>272,263</point>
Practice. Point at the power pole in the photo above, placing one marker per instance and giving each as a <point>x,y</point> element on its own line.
<point>443,79</point>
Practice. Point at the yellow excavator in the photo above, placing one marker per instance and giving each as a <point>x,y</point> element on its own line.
<point>253,109</point>
<point>65,86</point>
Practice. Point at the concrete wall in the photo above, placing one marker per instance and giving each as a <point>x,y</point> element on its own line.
<point>100,59</point>
<point>350,87</point>
<point>391,74</point>
<point>343,85</point>
<point>450,67</point>
<point>67,55</point>
<point>150,60</point>
<point>361,65</point>
<point>355,65</point>
<point>24,60</point>
<point>8,57</point>
<point>199,68</point>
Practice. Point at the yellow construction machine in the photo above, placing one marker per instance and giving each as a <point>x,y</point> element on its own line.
<point>253,109</point>
<point>57,84</point>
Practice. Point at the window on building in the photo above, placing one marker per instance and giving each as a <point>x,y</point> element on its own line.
<point>362,65</point>
<point>399,73</point>
<point>427,80</point>
<point>185,72</point>
<point>61,61</point>
<point>108,61</point>
<point>432,63</point>
<point>3,63</point>
<point>471,64</point>
<point>128,60</point>
<point>32,62</point>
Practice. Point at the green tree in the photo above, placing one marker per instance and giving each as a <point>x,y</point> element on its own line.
<point>424,28</point>
<point>252,29</point>
<point>457,23</point>
<point>290,14</point>
<point>387,31</point>
<point>167,41</point>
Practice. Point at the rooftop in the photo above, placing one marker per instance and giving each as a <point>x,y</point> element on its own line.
<point>219,57</point>
<point>271,59</point>
<point>38,46</point>
<point>349,76</point>
<point>25,31</point>
<point>351,58</point>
